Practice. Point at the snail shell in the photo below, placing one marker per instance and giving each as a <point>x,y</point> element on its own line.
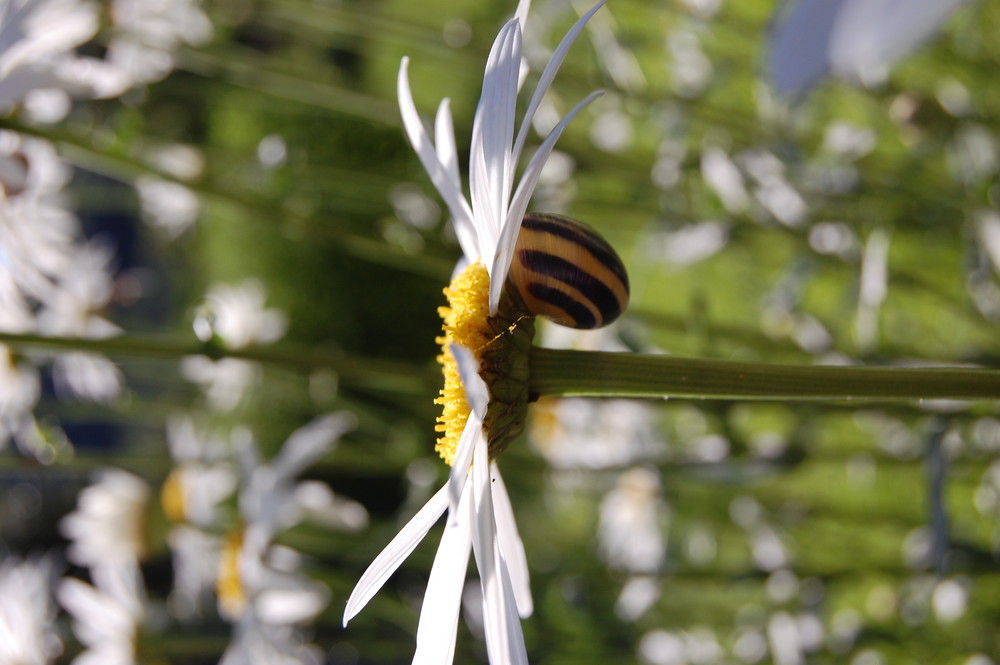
<point>565,271</point>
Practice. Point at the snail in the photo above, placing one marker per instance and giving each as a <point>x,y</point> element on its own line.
<point>565,271</point>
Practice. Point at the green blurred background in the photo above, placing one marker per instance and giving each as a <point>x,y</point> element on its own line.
<point>790,533</point>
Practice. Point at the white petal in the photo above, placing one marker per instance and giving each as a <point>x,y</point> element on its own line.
<point>310,442</point>
<point>492,134</point>
<point>451,191</point>
<point>518,653</point>
<point>551,69</point>
<point>444,140</point>
<point>444,137</point>
<point>523,7</point>
<point>511,546</point>
<point>459,473</point>
<point>505,246</point>
<point>477,395</point>
<point>504,639</point>
<point>476,392</point>
<point>443,597</point>
<point>386,563</point>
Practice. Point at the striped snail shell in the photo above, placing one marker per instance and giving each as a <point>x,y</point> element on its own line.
<point>565,271</point>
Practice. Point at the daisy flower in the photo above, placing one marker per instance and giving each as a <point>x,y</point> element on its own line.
<point>484,359</point>
<point>261,587</point>
<point>235,317</point>
<point>27,614</point>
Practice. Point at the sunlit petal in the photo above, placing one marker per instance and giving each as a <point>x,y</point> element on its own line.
<point>505,246</point>
<point>459,473</point>
<point>443,598</point>
<point>548,74</point>
<point>444,141</point>
<point>386,563</point>
<point>444,138</point>
<point>523,7</point>
<point>504,639</point>
<point>511,546</point>
<point>449,189</point>
<point>492,133</point>
<point>477,394</point>
<point>310,442</point>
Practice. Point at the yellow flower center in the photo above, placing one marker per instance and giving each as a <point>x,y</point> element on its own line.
<point>172,497</point>
<point>228,586</point>
<point>466,322</point>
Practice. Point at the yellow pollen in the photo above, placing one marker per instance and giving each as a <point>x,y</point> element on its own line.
<point>228,586</point>
<point>465,323</point>
<point>172,497</point>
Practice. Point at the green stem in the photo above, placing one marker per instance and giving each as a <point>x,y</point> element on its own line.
<point>358,371</point>
<point>596,373</point>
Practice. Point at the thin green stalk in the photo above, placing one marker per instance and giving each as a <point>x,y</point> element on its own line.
<point>595,373</point>
<point>357,371</point>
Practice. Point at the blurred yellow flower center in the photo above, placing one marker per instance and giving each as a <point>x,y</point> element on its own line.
<point>466,323</point>
<point>172,497</point>
<point>228,586</point>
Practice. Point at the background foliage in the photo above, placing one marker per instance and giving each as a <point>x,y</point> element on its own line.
<point>854,225</point>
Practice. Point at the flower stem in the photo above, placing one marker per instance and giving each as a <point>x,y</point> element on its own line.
<point>597,373</point>
<point>358,371</point>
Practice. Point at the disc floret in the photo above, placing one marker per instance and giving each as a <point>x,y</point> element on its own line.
<point>500,344</point>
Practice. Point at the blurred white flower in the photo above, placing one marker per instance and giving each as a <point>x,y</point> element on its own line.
<point>51,282</point>
<point>636,598</point>
<point>260,585</point>
<point>107,534</point>
<point>20,387</point>
<point>149,31</point>
<point>224,381</point>
<point>30,168</point>
<point>202,478</point>
<point>615,58</point>
<point>28,634</point>
<point>723,176</point>
<point>835,238</point>
<point>783,636</point>
<point>413,206</point>
<point>951,599</point>
<point>83,288</point>
<point>854,39</point>
<point>697,645</point>
<point>258,643</point>
<point>195,555</point>
<point>107,614</point>
<point>37,38</point>
<point>661,647</point>
<point>167,205</point>
<point>584,433</point>
<point>38,237</point>
<point>237,316</point>
<point>690,243</point>
<point>768,549</point>
<point>270,499</point>
<point>109,523</point>
<point>873,287</point>
<point>848,140</point>
<point>973,154</point>
<point>612,130</point>
<point>691,69</point>
<point>630,531</point>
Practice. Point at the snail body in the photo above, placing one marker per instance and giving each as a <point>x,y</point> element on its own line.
<point>565,271</point>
